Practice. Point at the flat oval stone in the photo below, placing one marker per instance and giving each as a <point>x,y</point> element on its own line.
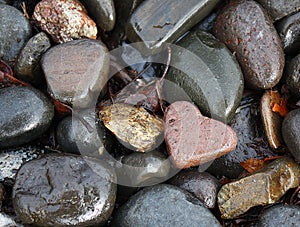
<point>76,71</point>
<point>252,141</point>
<point>292,75</point>
<point>15,31</point>
<point>280,8</point>
<point>163,205</point>
<point>102,12</point>
<point>201,184</point>
<point>165,21</point>
<point>289,32</point>
<point>210,138</point>
<point>291,132</point>
<point>264,187</point>
<point>272,121</point>
<point>64,190</point>
<point>280,215</point>
<point>248,32</point>
<point>25,114</point>
<point>28,63</point>
<point>218,89</point>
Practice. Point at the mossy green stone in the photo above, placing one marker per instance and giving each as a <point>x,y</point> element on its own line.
<point>210,75</point>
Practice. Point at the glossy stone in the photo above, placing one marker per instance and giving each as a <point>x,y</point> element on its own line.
<point>280,8</point>
<point>271,120</point>
<point>248,32</point>
<point>289,32</point>
<point>12,160</point>
<point>62,190</point>
<point>163,205</point>
<point>201,184</point>
<point>252,141</point>
<point>280,215</point>
<point>264,187</point>
<point>144,169</point>
<point>28,62</point>
<point>209,139</point>
<point>102,12</point>
<point>15,31</point>
<point>291,132</point>
<point>165,21</point>
<point>76,71</point>
<point>25,114</point>
<point>218,89</point>
<point>292,75</point>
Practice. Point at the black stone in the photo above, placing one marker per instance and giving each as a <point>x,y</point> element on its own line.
<point>25,114</point>
<point>64,190</point>
<point>292,75</point>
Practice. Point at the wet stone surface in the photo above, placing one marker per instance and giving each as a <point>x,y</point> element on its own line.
<point>218,89</point>
<point>264,187</point>
<point>15,26</point>
<point>79,78</point>
<point>201,184</point>
<point>292,74</point>
<point>291,132</point>
<point>63,190</point>
<point>247,31</point>
<point>175,208</point>
<point>252,142</point>
<point>280,215</point>
<point>26,113</point>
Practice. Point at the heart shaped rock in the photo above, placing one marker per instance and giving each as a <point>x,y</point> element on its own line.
<point>193,139</point>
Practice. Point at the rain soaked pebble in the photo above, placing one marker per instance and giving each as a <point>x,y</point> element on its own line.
<point>292,74</point>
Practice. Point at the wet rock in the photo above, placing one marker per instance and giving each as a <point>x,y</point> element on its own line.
<point>210,138</point>
<point>289,32</point>
<point>76,71</point>
<point>135,127</point>
<point>102,12</point>
<point>252,142</point>
<point>291,132</point>
<point>2,194</point>
<point>8,221</point>
<point>144,169</point>
<point>77,137</point>
<point>271,120</point>
<point>201,184</point>
<point>12,160</point>
<point>25,114</point>
<point>64,20</point>
<point>165,21</point>
<point>28,63</point>
<point>247,31</point>
<point>264,187</point>
<point>292,75</point>
<point>280,8</point>
<point>218,89</point>
<point>280,215</point>
<point>15,31</point>
<point>62,190</point>
<point>163,205</point>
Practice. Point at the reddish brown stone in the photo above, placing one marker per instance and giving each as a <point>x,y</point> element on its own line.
<point>193,139</point>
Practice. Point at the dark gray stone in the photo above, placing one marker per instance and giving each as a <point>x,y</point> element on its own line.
<point>15,31</point>
<point>163,205</point>
<point>102,12</point>
<point>12,160</point>
<point>280,8</point>
<point>158,21</point>
<point>203,185</point>
<point>289,32</point>
<point>214,82</point>
<point>64,190</point>
<point>280,215</point>
<point>291,132</point>
<point>25,114</point>
<point>28,63</point>
<point>252,141</point>
<point>292,75</point>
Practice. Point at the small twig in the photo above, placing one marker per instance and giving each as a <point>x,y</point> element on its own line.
<point>122,73</point>
<point>23,6</point>
<point>294,194</point>
<point>142,72</point>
